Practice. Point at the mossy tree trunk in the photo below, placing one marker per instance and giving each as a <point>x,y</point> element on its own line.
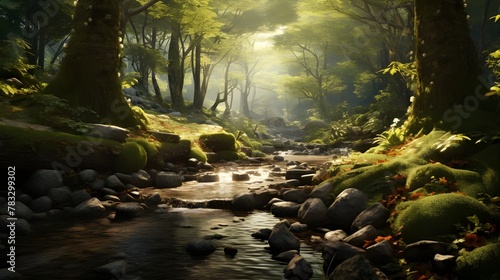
<point>446,62</point>
<point>89,73</point>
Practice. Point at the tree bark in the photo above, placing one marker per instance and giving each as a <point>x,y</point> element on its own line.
<point>196,65</point>
<point>89,73</point>
<point>175,69</point>
<point>446,62</point>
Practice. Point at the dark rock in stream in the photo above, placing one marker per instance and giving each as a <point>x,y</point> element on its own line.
<point>281,239</point>
<point>40,182</point>
<point>286,256</point>
<point>200,247</point>
<point>262,233</point>
<point>168,180</point>
<point>244,202</point>
<point>346,207</point>
<point>114,183</point>
<point>41,204</point>
<point>88,175</point>
<point>312,212</point>
<point>128,210</point>
<point>298,269</point>
<point>360,237</point>
<point>90,208</point>
<point>297,195</point>
<point>356,267</point>
<point>230,251</point>
<point>285,209</point>
<point>323,192</point>
<point>59,196</point>
<point>335,253</point>
<point>116,269</point>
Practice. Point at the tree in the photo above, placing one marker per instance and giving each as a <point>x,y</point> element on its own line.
<point>447,67</point>
<point>89,73</point>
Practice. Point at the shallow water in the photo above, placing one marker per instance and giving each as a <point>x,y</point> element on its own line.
<point>153,246</point>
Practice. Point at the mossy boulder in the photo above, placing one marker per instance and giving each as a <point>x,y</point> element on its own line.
<point>176,152</point>
<point>490,165</point>
<point>480,264</point>
<point>229,155</point>
<point>198,154</point>
<point>434,217</point>
<point>132,158</point>
<point>217,142</point>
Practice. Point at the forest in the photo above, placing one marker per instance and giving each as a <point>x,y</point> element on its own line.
<point>376,120</point>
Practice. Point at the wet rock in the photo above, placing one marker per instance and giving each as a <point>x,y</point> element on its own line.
<point>298,268</point>
<point>278,158</point>
<point>98,184</point>
<point>128,210</point>
<point>209,178</point>
<point>111,198</point>
<point>59,196</point>
<point>266,149</point>
<point>41,204</point>
<point>307,179</point>
<point>444,263</point>
<point>88,175</point>
<point>360,237</point>
<point>141,179</point>
<point>273,201</point>
<point>124,178</point>
<point>91,207</point>
<point>323,192</point>
<point>114,183</point>
<point>79,197</point>
<point>298,195</point>
<point>346,207</point>
<point>356,267</point>
<point>240,177</point>
<point>230,251</point>
<point>262,233</point>
<point>281,239</point>
<point>116,269</point>
<point>335,253</point>
<point>335,235</point>
<point>243,202</point>
<point>109,191</point>
<point>168,180</point>
<point>22,226</point>
<point>153,200</point>
<point>375,215</point>
<point>380,252</point>
<point>40,182</point>
<point>24,198</point>
<point>204,166</point>
<point>262,197</point>
<point>192,162</point>
<point>285,209</point>
<point>424,250</point>
<point>286,256</point>
<point>293,183</point>
<point>22,211</point>
<point>312,212</point>
<point>298,227</point>
<point>200,247</point>
<point>297,173</point>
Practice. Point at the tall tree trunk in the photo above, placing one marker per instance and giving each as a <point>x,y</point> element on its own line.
<point>196,65</point>
<point>156,87</point>
<point>89,73</point>
<point>446,63</point>
<point>175,69</point>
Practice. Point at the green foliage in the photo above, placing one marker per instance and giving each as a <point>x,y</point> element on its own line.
<point>130,79</point>
<point>407,70</point>
<point>132,158</point>
<point>257,153</point>
<point>148,57</point>
<point>151,147</point>
<point>391,138</point>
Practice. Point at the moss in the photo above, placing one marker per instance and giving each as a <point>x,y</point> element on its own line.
<point>434,217</point>
<point>228,155</point>
<point>218,142</point>
<point>141,115</point>
<point>481,263</point>
<point>151,148</point>
<point>132,158</point>
<point>488,157</point>
<point>422,175</point>
<point>256,145</point>
<point>176,152</point>
<point>198,154</point>
<point>257,153</point>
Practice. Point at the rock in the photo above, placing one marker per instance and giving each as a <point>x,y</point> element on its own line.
<point>360,237</point>
<point>24,198</point>
<point>286,256</point>
<point>243,202</point>
<point>323,192</point>
<point>334,253</point>
<point>41,204</point>
<point>204,166</point>
<point>22,226</point>
<point>116,269</point>
<point>79,197</point>
<point>335,235</point>
<point>141,179</point>
<point>90,208</point>
<point>263,197</point>
<point>298,196</point>
<point>111,197</point>
<point>153,200</point>
<point>312,212</point>
<point>240,177</point>
<point>281,239</point>
<point>285,209</point>
<point>230,251</point>
<point>298,227</point>
<point>444,263</point>
<point>22,211</point>
<point>168,180</point>
<point>209,178</point>
<point>278,158</point>
<point>109,191</point>
<point>346,207</point>
<point>200,247</point>
<point>6,274</point>
<point>111,132</point>
<point>40,182</point>
<point>262,234</point>
<point>297,173</point>
<point>307,179</point>
<point>59,196</point>
<point>98,184</point>
<point>380,253</point>
<point>128,210</point>
<point>375,215</point>
<point>424,250</point>
<point>114,183</point>
<point>293,183</point>
<point>356,267</point>
<point>298,268</point>
<point>481,263</point>
<point>266,149</point>
<point>87,176</point>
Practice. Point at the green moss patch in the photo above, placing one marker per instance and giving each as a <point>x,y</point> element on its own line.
<point>229,155</point>
<point>132,158</point>
<point>217,142</point>
<point>198,154</point>
<point>480,264</point>
<point>434,217</point>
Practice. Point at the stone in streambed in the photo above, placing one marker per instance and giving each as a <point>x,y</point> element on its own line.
<point>346,207</point>
<point>312,212</point>
<point>40,182</point>
<point>285,209</point>
<point>298,268</point>
<point>200,247</point>
<point>90,208</point>
<point>281,239</point>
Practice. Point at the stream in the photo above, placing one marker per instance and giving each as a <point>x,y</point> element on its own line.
<point>153,245</point>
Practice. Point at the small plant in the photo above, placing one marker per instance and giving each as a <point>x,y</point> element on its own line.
<point>440,185</point>
<point>395,136</point>
<point>472,235</point>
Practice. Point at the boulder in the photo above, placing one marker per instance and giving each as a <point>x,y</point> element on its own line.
<point>243,202</point>
<point>262,197</point>
<point>91,207</point>
<point>200,247</point>
<point>22,211</point>
<point>79,197</point>
<point>293,183</point>
<point>240,177</point>
<point>286,256</point>
<point>298,268</point>
<point>356,267</point>
<point>262,233</point>
<point>111,132</point>
<point>209,178</point>
<point>40,182</point>
<point>141,179</point>
<point>360,237</point>
<point>424,250</point>
<point>230,251</point>
<point>334,253</point>
<point>298,227</point>
<point>297,195</point>
<point>153,200</point>
<point>346,207</point>
<point>335,235</point>
<point>323,192</point>
<point>312,212</point>
<point>297,173</point>
<point>59,196</point>
<point>281,239</point>
<point>87,176</point>
<point>114,183</point>
<point>24,198</point>
<point>375,215</point>
<point>98,184</point>
<point>444,263</point>
<point>128,210</point>
<point>168,180</point>
<point>380,253</point>
<point>481,263</point>
<point>41,204</point>
<point>285,209</point>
